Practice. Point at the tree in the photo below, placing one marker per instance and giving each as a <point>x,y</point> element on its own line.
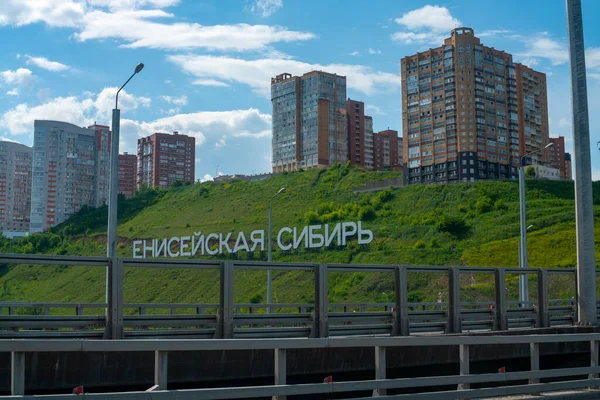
<point>530,172</point>
<point>176,183</point>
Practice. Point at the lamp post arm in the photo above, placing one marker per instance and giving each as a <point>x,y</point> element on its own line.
<point>117,97</point>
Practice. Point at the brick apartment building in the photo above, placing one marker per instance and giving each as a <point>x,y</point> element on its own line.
<point>164,158</point>
<point>386,150</point>
<point>15,187</point>
<point>127,174</point>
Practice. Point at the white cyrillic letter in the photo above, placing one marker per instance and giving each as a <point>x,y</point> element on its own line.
<point>224,243</point>
<point>366,232</point>
<point>241,243</point>
<point>150,248</point>
<point>281,245</point>
<point>197,241</point>
<point>258,236</point>
<point>162,248</point>
<point>207,244</point>
<point>335,233</point>
<point>136,249</point>
<point>315,240</point>
<point>347,233</point>
<point>303,235</point>
<point>184,246</point>
<point>169,247</point>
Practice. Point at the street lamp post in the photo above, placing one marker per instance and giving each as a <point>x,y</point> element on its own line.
<point>111,242</point>
<point>114,327</point>
<point>269,246</point>
<point>523,283</point>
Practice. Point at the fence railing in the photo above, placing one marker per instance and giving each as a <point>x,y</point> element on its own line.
<point>511,383</point>
<point>116,319</point>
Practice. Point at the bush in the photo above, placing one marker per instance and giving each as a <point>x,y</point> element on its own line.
<point>500,205</point>
<point>453,225</point>
<point>312,218</point>
<point>419,244</point>
<point>483,205</point>
<point>366,214</point>
<point>462,208</point>
<point>176,183</point>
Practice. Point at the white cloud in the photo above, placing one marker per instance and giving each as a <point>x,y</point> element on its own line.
<point>428,24</point>
<point>493,32</point>
<point>373,51</point>
<point>132,4</point>
<point>178,101</point>
<point>46,64</point>
<point>14,92</point>
<point>209,82</point>
<point>592,57</point>
<point>5,139</point>
<point>206,177</point>
<point>54,13</point>
<point>258,73</point>
<point>530,62</point>
<point>139,28</point>
<point>78,111</point>
<point>354,53</point>
<point>19,77</point>
<point>221,143</point>
<point>543,46</point>
<point>434,18</point>
<point>266,7</point>
<point>18,55</point>
<point>374,110</point>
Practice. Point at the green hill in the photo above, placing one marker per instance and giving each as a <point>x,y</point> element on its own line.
<point>461,224</point>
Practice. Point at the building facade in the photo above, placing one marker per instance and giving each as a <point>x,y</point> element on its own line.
<point>127,174</point>
<point>385,150</point>
<point>69,171</point>
<point>369,142</point>
<point>469,112</point>
<point>15,187</point>
<point>309,120</point>
<point>355,112</point>
<point>164,158</point>
<point>558,157</point>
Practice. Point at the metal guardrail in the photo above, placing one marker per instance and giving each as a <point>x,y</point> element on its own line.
<point>380,385</point>
<point>227,319</point>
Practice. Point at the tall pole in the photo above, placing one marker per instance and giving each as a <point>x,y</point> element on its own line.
<point>523,283</point>
<point>584,212</point>
<point>269,255</point>
<point>111,245</point>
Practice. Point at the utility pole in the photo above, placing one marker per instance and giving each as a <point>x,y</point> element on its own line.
<point>584,211</point>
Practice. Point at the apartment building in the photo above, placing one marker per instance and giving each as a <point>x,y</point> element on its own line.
<point>127,174</point>
<point>558,157</point>
<point>369,162</point>
<point>309,120</point>
<point>360,134</point>
<point>69,170</point>
<point>469,112</point>
<point>385,150</point>
<point>15,187</point>
<point>164,158</point>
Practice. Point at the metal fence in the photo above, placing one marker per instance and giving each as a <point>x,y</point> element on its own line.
<point>511,383</point>
<point>226,319</point>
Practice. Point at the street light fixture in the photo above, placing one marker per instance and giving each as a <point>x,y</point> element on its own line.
<point>523,284</point>
<point>269,246</point>
<point>111,242</point>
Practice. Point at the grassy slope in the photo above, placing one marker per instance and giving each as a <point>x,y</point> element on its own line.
<point>406,231</point>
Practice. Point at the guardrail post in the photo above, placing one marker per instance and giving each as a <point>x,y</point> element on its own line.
<point>543,306</point>
<point>280,370</point>
<point>380,369</point>
<point>463,351</point>
<point>454,322</point>
<point>594,345</point>
<point>534,356</point>
<point>321,322</point>
<point>17,373</point>
<point>161,361</point>
<point>501,323</point>
<point>114,301</point>
<point>225,313</point>
<point>401,325</point>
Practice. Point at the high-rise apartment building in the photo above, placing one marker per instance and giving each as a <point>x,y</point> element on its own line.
<point>309,120</point>
<point>369,142</point>
<point>70,170</point>
<point>357,134</point>
<point>400,151</point>
<point>469,112</point>
<point>127,174</point>
<point>164,158</point>
<point>385,150</point>
<point>558,157</point>
<point>15,187</point>
<point>568,173</point>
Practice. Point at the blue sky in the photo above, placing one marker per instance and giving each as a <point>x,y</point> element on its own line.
<point>209,63</point>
